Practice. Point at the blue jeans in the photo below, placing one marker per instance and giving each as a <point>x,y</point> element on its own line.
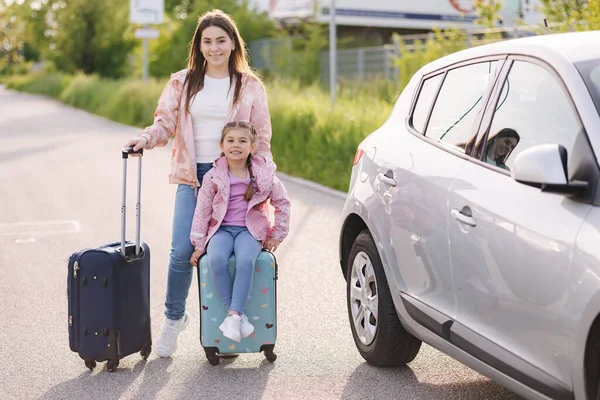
<point>180,269</point>
<point>236,240</point>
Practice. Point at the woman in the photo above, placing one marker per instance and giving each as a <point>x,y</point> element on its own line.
<point>499,147</point>
<point>217,87</point>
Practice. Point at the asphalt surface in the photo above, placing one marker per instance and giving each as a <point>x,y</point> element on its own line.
<point>60,185</point>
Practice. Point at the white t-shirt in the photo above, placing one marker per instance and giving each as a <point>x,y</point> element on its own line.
<point>209,110</point>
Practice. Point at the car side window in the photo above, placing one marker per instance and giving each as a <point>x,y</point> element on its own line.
<point>533,109</point>
<point>424,101</point>
<point>458,103</point>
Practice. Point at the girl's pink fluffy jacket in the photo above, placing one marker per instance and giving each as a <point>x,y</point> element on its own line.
<point>213,199</point>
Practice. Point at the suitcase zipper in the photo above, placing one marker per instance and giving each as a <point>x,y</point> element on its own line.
<point>74,305</point>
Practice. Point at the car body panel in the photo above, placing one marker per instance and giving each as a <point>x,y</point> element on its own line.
<point>584,283</point>
<point>515,263</point>
<point>415,219</point>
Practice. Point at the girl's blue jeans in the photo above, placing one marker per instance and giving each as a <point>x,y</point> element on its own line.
<point>236,240</point>
<point>180,270</point>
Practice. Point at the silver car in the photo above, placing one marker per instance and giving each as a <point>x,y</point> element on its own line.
<point>472,220</point>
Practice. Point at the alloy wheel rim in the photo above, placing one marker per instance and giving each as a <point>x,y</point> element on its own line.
<point>364,298</point>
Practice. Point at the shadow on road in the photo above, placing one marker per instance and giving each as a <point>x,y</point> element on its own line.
<point>29,152</point>
<point>402,383</point>
<point>101,384</point>
<point>224,381</point>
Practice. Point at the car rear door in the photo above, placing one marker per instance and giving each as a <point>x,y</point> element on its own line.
<point>414,178</point>
<point>511,244</point>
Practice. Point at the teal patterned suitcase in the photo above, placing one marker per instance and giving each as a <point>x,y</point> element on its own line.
<point>261,309</point>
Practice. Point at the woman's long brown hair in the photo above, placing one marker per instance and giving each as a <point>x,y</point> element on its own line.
<point>238,60</point>
<point>252,131</point>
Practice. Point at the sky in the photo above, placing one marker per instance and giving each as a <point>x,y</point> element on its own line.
<point>262,5</point>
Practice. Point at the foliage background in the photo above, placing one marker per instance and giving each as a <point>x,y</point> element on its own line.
<point>91,61</point>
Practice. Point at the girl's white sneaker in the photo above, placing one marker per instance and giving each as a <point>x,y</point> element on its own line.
<point>247,328</point>
<point>231,328</point>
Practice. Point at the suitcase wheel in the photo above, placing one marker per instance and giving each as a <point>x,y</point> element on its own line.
<point>211,355</point>
<point>145,353</point>
<point>112,365</point>
<point>269,354</point>
<point>91,364</point>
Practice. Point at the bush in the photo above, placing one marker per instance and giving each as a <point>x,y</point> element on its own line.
<point>310,140</point>
<point>19,82</point>
<point>49,85</point>
<point>134,102</point>
<point>314,142</point>
<point>89,92</point>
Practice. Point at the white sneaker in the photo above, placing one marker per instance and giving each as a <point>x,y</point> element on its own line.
<point>231,328</point>
<point>166,344</point>
<point>247,328</point>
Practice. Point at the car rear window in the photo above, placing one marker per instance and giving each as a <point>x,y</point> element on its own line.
<point>590,71</point>
<point>459,101</point>
<point>424,102</point>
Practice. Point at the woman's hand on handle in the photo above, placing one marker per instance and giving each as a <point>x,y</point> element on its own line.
<point>137,144</point>
<point>271,245</point>
<point>195,257</point>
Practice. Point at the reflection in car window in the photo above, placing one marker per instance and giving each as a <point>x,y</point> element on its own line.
<point>590,72</point>
<point>426,97</point>
<point>533,109</point>
<point>595,77</point>
<point>458,103</point>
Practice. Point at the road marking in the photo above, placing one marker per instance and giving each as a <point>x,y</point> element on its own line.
<point>28,240</point>
<point>35,228</point>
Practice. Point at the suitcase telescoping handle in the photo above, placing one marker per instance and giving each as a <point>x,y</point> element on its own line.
<point>125,153</point>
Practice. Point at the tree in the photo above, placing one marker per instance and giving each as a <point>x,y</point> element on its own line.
<point>23,28</point>
<point>92,36</point>
<point>169,53</point>
<point>299,56</point>
<point>11,35</point>
<point>488,12</point>
<point>572,14</point>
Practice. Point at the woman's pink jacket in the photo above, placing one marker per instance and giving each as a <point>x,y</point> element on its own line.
<point>171,119</point>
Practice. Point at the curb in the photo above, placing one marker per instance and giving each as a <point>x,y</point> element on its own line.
<point>313,185</point>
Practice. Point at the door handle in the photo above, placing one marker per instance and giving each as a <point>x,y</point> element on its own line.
<point>386,179</point>
<point>462,218</point>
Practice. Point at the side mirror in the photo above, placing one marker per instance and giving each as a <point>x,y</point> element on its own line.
<point>545,167</point>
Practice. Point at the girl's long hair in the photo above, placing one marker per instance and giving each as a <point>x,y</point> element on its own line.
<point>238,60</point>
<point>252,131</point>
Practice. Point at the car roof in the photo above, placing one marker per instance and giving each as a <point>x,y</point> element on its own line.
<point>573,46</point>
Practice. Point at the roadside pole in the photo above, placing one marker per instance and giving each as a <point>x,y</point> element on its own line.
<point>146,12</point>
<point>332,53</point>
<point>145,57</point>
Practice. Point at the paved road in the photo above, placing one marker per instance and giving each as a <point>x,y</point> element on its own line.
<point>60,180</point>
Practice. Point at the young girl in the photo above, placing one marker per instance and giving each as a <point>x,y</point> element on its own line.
<point>217,87</point>
<point>232,217</point>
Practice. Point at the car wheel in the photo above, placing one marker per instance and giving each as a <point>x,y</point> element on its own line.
<point>378,333</point>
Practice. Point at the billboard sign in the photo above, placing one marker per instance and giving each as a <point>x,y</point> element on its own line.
<point>146,11</point>
<point>422,14</point>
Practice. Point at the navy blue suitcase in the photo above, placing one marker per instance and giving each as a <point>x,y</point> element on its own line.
<point>109,296</point>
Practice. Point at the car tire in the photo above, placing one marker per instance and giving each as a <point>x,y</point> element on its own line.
<point>389,344</point>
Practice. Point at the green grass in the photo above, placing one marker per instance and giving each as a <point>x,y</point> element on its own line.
<point>313,141</point>
<point>50,85</point>
<point>310,140</point>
